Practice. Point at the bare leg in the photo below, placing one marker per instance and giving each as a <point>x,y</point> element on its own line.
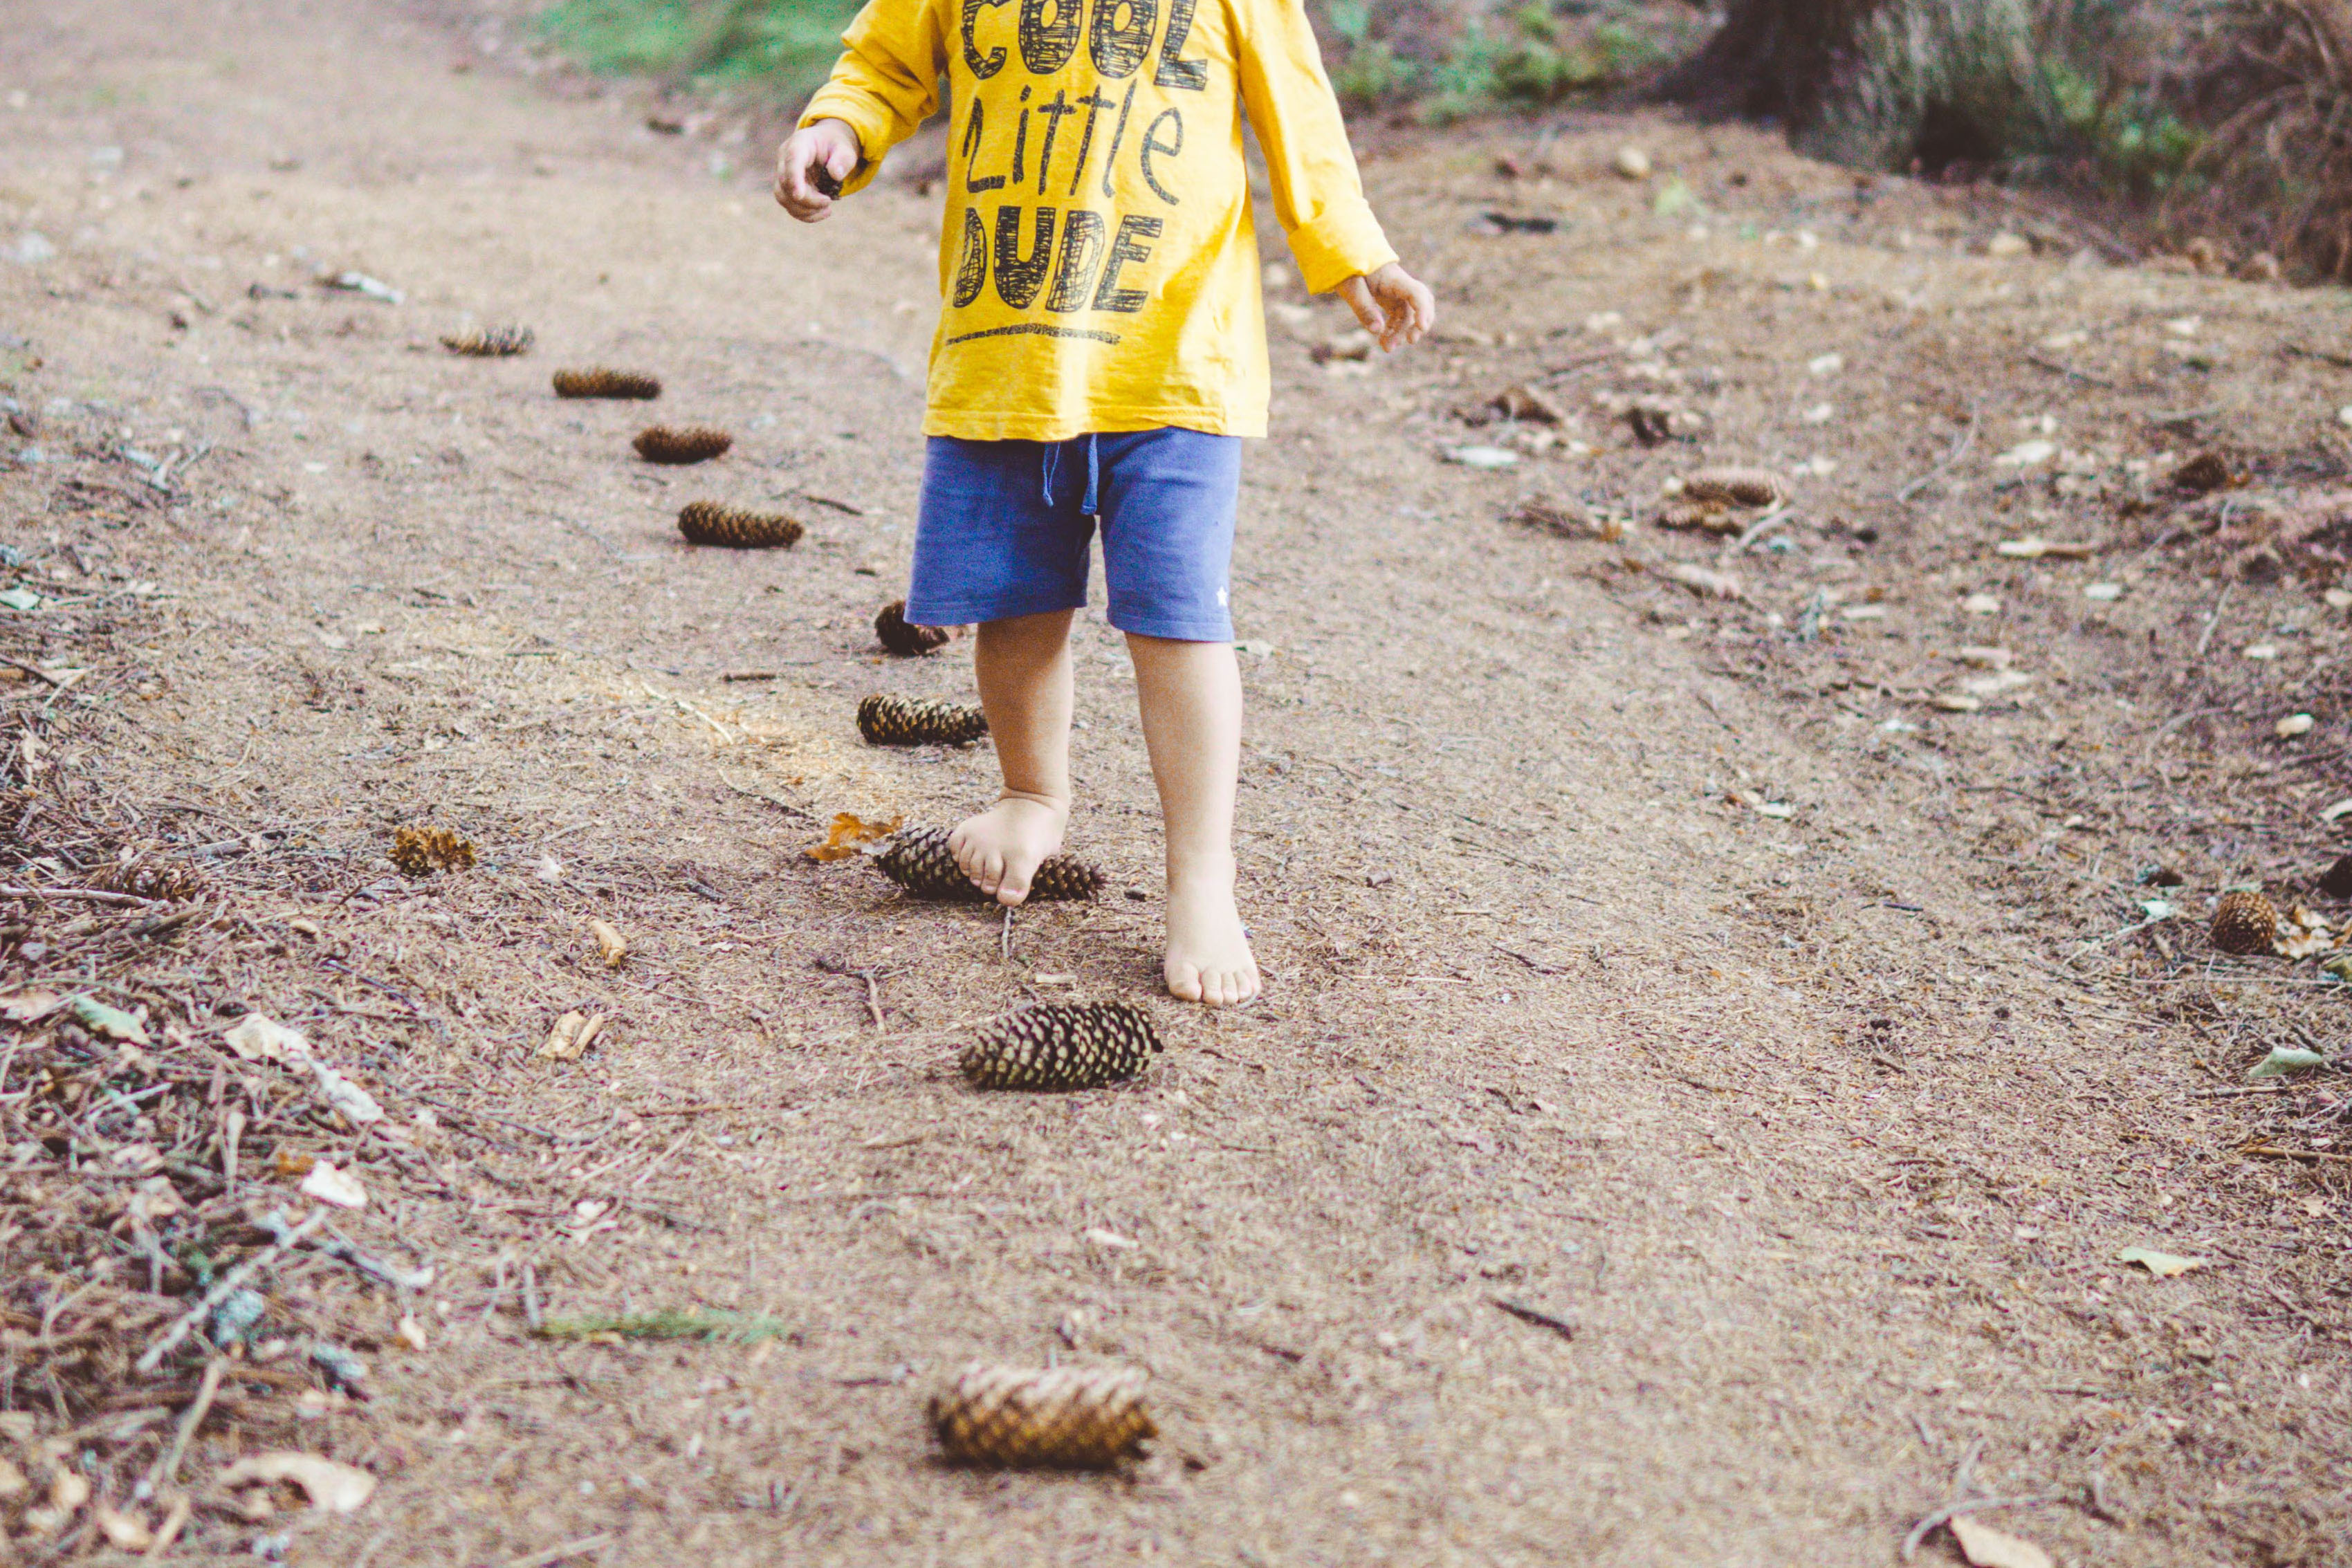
<point>1023,669</point>
<point>1192,697</point>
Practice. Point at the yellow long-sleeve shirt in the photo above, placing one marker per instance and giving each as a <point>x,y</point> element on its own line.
<point>1099,267</point>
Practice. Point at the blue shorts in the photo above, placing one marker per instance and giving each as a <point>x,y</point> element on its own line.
<point>1006,526</point>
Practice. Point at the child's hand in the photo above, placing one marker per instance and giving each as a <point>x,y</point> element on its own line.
<point>811,166</point>
<point>1392,304</point>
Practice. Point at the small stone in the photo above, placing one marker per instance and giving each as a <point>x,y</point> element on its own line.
<point>1632,162</point>
<point>2004,245</point>
<point>2292,724</point>
<point>1981,605</point>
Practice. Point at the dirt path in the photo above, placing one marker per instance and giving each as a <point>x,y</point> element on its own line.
<point>1786,1111</point>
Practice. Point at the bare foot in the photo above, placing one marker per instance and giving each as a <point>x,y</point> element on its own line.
<point>1209,958</point>
<point>1000,849</point>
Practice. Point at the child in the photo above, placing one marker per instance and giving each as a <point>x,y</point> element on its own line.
<point>1100,354</point>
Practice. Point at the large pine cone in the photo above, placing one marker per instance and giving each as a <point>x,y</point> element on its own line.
<point>598,381</point>
<point>674,444</point>
<point>1067,1417</point>
<point>886,720</point>
<point>1062,1046</point>
<point>1739,487</point>
<point>919,861</point>
<point>732,528</point>
<point>899,637</point>
<point>2244,923</point>
<point>150,871</point>
<point>490,343</point>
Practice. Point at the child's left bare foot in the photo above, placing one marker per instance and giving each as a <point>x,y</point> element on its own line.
<point>1209,958</point>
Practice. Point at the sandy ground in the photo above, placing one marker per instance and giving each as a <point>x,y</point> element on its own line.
<point>1634,959</point>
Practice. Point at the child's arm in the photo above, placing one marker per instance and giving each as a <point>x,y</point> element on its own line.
<point>1317,196</point>
<point>884,85</point>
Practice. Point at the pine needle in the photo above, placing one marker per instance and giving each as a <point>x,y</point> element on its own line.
<point>670,1322</point>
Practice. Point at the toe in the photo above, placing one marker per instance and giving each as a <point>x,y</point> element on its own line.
<point>1184,982</point>
<point>988,869</point>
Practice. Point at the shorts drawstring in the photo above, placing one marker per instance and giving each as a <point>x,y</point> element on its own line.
<point>1090,504</point>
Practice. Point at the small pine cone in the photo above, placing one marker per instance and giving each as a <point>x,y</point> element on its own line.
<point>911,721</point>
<point>421,851</point>
<point>898,637</point>
<point>599,382</point>
<point>1064,1417</point>
<point>919,861</point>
<point>1739,487</point>
<point>2203,473</point>
<point>2244,923</point>
<point>1699,516</point>
<point>691,443</point>
<point>490,343</point>
<point>1062,1045</point>
<point>732,528</point>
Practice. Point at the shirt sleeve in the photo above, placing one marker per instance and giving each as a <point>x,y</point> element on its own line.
<point>885,83</point>
<point>1317,195</point>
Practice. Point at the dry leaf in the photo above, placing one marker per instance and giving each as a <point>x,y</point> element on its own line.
<point>608,938</point>
<point>286,1163</point>
<point>847,832</point>
<point>256,1037</point>
<point>1706,581</point>
<point>121,1530</point>
<point>2163,1265</point>
<point>68,1489</point>
<point>29,1007</point>
<point>353,1103</point>
<point>1989,1548</point>
<point>328,1184</point>
<point>336,1488</point>
<point>574,1034</point>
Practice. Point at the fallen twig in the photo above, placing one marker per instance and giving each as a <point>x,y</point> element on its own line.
<point>166,1470</point>
<point>1960,450</point>
<point>555,1554</point>
<point>1528,1314</point>
<point>82,895</point>
<point>2317,1157</point>
<point>228,1285</point>
<point>2070,372</point>
<point>1952,1511</point>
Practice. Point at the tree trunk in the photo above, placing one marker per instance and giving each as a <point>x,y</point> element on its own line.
<point>1773,60</point>
<point>1880,83</point>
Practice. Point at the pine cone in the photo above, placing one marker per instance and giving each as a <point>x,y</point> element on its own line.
<point>1739,487</point>
<point>672,443</point>
<point>2244,923</point>
<point>710,523</point>
<point>919,861</point>
<point>149,871</point>
<point>904,640</point>
<point>1701,516</point>
<point>1062,1045</point>
<point>490,343</point>
<point>912,721</point>
<point>421,851</point>
<point>599,382</point>
<point>2203,473</point>
<point>1067,1417</point>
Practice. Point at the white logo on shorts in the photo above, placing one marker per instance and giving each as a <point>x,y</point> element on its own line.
<point>1221,601</point>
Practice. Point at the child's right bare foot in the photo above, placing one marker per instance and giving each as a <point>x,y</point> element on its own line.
<point>1209,958</point>
<point>1002,848</point>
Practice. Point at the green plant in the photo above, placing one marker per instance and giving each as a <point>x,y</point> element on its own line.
<point>670,1322</point>
<point>790,43</point>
